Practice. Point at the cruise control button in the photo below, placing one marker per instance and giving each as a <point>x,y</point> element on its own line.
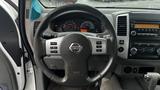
<point>53,47</point>
<point>99,50</point>
<point>54,51</point>
<point>98,46</point>
<point>99,42</point>
<point>53,43</point>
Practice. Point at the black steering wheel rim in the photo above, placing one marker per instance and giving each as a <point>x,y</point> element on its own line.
<point>38,44</point>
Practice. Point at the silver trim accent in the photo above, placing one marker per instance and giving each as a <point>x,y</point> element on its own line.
<point>94,40</point>
<point>123,54</point>
<point>48,45</point>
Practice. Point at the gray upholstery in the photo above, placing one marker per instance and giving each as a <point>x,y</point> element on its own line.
<point>158,87</point>
<point>112,84</point>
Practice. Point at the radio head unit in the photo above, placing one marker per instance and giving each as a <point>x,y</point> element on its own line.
<point>144,40</point>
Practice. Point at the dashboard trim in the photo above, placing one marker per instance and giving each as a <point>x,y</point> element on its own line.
<point>123,54</point>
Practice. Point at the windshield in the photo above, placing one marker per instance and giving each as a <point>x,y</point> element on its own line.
<point>151,4</point>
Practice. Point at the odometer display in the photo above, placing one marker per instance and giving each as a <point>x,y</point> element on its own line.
<point>69,26</point>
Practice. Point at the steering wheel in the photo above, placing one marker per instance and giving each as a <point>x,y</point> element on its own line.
<point>75,48</point>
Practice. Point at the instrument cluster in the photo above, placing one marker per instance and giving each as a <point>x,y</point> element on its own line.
<point>77,25</point>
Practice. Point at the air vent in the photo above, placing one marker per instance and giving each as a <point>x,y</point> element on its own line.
<point>122,26</point>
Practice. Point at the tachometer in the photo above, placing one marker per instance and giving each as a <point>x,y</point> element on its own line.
<point>87,26</point>
<point>69,26</point>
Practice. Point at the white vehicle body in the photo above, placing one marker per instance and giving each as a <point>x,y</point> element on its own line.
<point>29,82</point>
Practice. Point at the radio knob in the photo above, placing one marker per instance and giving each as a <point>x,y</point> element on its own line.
<point>133,33</point>
<point>158,51</point>
<point>133,51</point>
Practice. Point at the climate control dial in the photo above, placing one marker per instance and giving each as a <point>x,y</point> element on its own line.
<point>133,33</point>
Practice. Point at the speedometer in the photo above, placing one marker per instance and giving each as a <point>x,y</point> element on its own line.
<point>87,26</point>
<point>69,26</point>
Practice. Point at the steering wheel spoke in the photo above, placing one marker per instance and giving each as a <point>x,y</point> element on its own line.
<point>76,71</point>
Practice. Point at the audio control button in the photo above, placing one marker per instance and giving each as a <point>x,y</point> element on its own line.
<point>158,51</point>
<point>133,51</point>
<point>133,33</point>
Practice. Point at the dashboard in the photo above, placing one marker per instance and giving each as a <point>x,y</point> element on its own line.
<point>138,39</point>
<point>137,32</point>
<point>76,23</point>
<point>138,35</point>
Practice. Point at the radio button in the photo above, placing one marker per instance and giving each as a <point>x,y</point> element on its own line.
<point>133,33</point>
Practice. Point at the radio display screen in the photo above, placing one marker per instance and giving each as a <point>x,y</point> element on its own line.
<point>146,26</point>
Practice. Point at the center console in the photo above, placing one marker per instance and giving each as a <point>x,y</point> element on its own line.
<point>143,35</point>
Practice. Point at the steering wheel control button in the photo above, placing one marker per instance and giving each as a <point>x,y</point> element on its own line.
<point>98,46</point>
<point>53,43</point>
<point>53,47</point>
<point>121,49</point>
<point>99,50</point>
<point>99,42</point>
<point>54,51</point>
<point>75,48</point>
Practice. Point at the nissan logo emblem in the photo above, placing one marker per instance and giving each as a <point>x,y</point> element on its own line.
<point>75,48</point>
